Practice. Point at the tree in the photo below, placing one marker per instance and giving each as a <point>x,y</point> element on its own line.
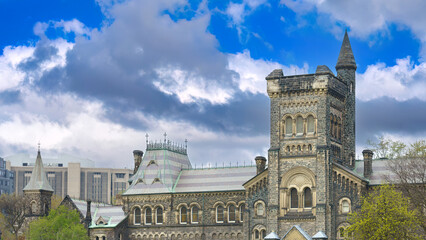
<point>410,177</point>
<point>387,148</point>
<point>55,201</point>
<point>61,223</point>
<point>385,214</point>
<point>12,214</point>
<point>409,170</point>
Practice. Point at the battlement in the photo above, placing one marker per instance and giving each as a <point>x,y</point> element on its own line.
<point>323,78</point>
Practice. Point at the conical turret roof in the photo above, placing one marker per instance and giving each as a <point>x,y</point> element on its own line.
<point>38,179</point>
<point>346,56</point>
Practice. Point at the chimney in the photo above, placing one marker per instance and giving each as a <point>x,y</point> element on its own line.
<point>368,162</point>
<point>137,155</point>
<point>88,219</point>
<point>260,164</point>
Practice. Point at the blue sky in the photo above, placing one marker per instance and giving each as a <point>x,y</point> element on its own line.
<point>90,78</point>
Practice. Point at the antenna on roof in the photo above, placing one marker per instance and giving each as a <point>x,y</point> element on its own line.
<point>186,143</point>
<point>165,136</point>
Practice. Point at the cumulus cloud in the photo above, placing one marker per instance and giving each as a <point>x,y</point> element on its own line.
<point>98,96</point>
<point>10,75</point>
<point>252,72</point>
<point>72,26</point>
<point>405,80</point>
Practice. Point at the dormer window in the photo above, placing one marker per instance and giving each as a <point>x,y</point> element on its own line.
<point>156,180</point>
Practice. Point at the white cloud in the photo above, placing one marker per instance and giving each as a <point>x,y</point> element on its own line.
<point>72,26</point>
<point>237,12</point>
<point>190,87</point>
<point>252,72</point>
<point>10,75</point>
<point>403,81</point>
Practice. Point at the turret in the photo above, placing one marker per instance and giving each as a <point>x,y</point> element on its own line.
<point>346,67</point>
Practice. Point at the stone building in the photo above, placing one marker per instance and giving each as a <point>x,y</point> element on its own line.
<point>306,187</point>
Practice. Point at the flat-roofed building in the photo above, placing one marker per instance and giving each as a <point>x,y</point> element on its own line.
<point>6,178</point>
<point>76,177</point>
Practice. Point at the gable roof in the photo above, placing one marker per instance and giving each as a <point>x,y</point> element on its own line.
<point>38,180</point>
<point>111,215</point>
<point>298,229</point>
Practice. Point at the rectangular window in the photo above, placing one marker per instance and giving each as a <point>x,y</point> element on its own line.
<point>120,175</point>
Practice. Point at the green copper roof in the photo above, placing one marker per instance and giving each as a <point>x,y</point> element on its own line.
<point>38,179</point>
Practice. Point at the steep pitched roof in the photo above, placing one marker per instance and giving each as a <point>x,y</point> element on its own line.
<point>38,179</point>
<point>346,56</point>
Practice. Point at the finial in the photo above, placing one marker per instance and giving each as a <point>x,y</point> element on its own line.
<point>147,137</point>
<point>38,146</point>
<point>165,137</point>
<point>186,143</point>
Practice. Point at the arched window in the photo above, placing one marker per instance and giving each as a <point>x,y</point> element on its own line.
<point>159,215</point>
<point>103,238</point>
<point>309,147</point>
<point>299,126</point>
<point>260,210</point>
<point>183,215</point>
<point>307,198</point>
<point>148,216</point>
<point>33,207</point>
<point>288,126</point>
<point>137,214</point>
<point>299,149</point>
<point>242,209</point>
<point>294,198</point>
<point>97,238</point>
<point>219,214</point>
<point>194,214</point>
<point>231,213</point>
<point>341,233</point>
<point>345,206</point>
<point>256,234</point>
<point>262,234</point>
<point>311,125</point>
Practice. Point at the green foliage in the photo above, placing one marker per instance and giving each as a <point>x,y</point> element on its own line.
<point>388,148</point>
<point>61,223</point>
<point>385,214</point>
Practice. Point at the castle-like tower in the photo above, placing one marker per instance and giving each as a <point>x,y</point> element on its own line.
<point>312,127</point>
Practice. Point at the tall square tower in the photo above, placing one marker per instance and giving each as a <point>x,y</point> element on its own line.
<point>312,126</point>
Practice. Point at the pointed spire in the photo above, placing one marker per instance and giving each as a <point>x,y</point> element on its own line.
<point>38,180</point>
<point>346,56</point>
